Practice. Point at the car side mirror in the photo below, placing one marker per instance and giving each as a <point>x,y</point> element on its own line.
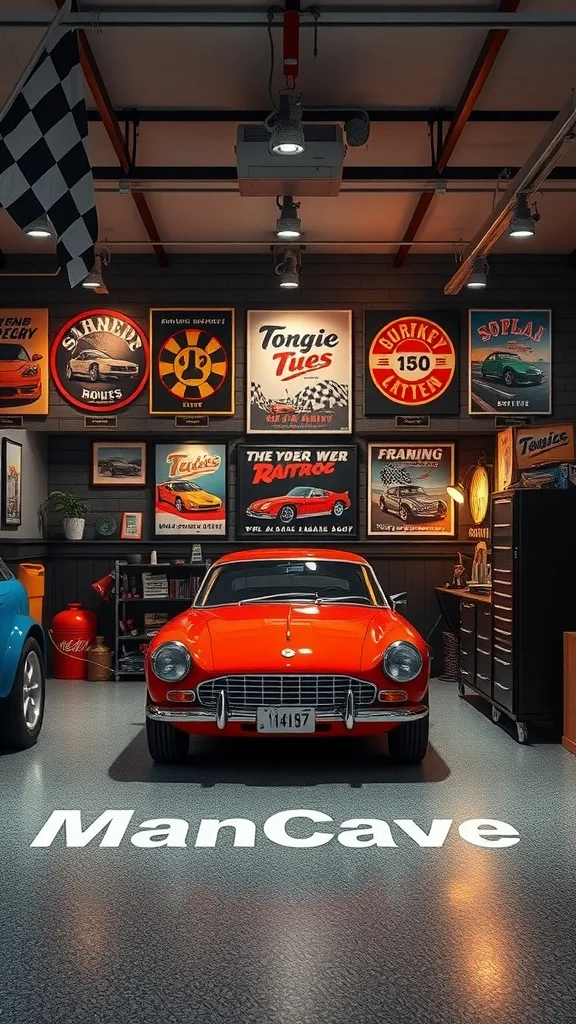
<point>399,601</point>
<point>36,357</point>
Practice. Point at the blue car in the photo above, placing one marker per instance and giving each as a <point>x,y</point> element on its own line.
<point>22,667</point>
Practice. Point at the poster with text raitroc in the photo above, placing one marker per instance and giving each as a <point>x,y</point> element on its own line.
<point>190,498</point>
<point>299,371</point>
<point>510,362</point>
<point>407,490</point>
<point>192,352</point>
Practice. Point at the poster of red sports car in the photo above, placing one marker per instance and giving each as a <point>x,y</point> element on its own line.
<point>192,361</point>
<point>407,494</point>
<point>24,376</point>
<point>297,492</point>
<point>190,490</point>
<point>299,371</point>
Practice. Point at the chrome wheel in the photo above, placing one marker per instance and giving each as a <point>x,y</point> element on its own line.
<point>287,514</point>
<point>339,508</point>
<point>32,690</point>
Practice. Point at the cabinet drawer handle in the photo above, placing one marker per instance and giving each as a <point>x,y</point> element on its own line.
<point>462,651</point>
<point>504,632</point>
<point>480,651</point>
<point>505,650</point>
<point>466,605</point>
<point>464,630</point>
<point>502,570</point>
<point>501,526</point>
<point>463,672</point>
<point>500,686</point>
<point>500,662</point>
<point>502,618</point>
<point>484,637</point>
<point>486,679</point>
<point>507,596</point>
<point>502,547</point>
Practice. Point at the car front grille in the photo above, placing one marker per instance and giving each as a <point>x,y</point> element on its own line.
<point>291,690</point>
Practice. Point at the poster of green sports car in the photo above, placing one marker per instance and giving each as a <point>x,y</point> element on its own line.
<point>510,362</point>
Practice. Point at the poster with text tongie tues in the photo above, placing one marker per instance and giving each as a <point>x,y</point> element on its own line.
<point>190,496</point>
<point>510,362</point>
<point>297,492</point>
<point>407,490</point>
<point>299,371</point>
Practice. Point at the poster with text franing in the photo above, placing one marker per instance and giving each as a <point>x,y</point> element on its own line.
<point>190,496</point>
<point>302,491</point>
<point>24,373</point>
<point>407,490</point>
<point>192,361</point>
<point>510,362</point>
<point>411,362</point>
<point>299,371</point>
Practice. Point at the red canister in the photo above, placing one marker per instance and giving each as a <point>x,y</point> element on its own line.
<point>73,632</point>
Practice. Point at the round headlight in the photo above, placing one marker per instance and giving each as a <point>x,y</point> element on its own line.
<point>402,662</point>
<point>171,662</point>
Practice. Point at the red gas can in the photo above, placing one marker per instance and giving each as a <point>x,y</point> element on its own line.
<point>73,631</point>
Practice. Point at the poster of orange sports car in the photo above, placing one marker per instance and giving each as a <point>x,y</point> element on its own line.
<point>190,490</point>
<point>24,378</point>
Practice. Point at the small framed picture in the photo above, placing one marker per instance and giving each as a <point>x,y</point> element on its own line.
<point>131,526</point>
<point>11,483</point>
<point>118,464</point>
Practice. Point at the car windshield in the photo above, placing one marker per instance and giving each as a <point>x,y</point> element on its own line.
<point>412,490</point>
<point>10,352</point>
<point>295,579</point>
<point>185,485</point>
<point>299,492</point>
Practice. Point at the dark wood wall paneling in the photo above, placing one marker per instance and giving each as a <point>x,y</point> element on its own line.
<point>334,281</point>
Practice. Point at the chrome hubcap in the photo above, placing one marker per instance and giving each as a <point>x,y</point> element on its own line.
<point>32,690</point>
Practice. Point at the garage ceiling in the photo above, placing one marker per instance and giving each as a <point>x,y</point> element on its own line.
<point>410,70</point>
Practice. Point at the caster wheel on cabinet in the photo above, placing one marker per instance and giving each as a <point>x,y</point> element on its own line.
<point>461,690</point>
<point>522,732</point>
<point>496,714</point>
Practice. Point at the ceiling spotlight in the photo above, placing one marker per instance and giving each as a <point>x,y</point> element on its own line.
<point>479,275</point>
<point>95,279</point>
<point>41,228</point>
<point>288,269</point>
<point>357,128</point>
<point>285,126</point>
<point>522,223</point>
<point>288,223</point>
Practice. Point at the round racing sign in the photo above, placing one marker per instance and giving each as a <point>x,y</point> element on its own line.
<point>100,360</point>
<point>192,364</point>
<point>412,360</point>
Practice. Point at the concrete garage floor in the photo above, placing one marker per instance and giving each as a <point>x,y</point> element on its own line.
<point>270,933</point>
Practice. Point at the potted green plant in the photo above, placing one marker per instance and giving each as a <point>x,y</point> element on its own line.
<point>72,510</point>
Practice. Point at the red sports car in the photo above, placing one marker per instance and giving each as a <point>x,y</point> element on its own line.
<point>300,503</point>
<point>20,376</point>
<point>290,641</point>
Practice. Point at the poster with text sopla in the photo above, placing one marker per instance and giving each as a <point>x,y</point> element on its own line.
<point>410,362</point>
<point>407,490</point>
<point>303,491</point>
<point>24,376</point>
<point>190,496</point>
<point>299,371</point>
<point>192,361</point>
<point>510,362</point>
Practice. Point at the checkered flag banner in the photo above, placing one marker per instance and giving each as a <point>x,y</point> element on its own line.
<point>44,163</point>
<point>395,475</point>
<point>324,395</point>
<point>257,397</point>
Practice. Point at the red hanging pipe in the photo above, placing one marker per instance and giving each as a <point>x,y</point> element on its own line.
<point>291,41</point>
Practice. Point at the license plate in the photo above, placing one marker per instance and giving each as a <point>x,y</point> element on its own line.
<point>282,719</point>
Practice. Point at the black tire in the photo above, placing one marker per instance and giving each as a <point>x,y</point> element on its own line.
<point>408,743</point>
<point>404,513</point>
<point>15,732</point>
<point>166,743</point>
<point>178,505</point>
<point>94,373</point>
<point>287,514</point>
<point>339,509</point>
<point>509,378</point>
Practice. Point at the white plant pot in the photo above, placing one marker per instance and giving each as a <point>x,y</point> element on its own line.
<point>73,528</point>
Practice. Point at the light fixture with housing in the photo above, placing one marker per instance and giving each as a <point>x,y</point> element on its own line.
<point>285,126</point>
<point>478,275</point>
<point>522,224</point>
<point>357,128</point>
<point>288,269</point>
<point>41,228</point>
<point>95,279</point>
<point>456,492</point>
<point>288,223</point>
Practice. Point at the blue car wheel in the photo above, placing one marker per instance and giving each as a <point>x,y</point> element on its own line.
<point>22,711</point>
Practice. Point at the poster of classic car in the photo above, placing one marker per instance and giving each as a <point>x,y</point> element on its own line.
<point>510,361</point>
<point>297,492</point>
<point>192,361</point>
<point>24,379</point>
<point>407,490</point>
<point>118,464</point>
<point>190,489</point>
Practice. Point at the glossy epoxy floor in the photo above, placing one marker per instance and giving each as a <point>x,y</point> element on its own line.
<point>278,935</point>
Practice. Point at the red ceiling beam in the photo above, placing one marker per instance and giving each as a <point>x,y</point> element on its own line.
<point>482,68</point>
<point>102,100</point>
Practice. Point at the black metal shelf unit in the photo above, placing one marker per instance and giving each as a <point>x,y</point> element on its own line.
<point>131,611</point>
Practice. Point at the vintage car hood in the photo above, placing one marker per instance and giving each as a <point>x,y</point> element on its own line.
<point>420,502</point>
<point>14,366</point>
<point>254,638</point>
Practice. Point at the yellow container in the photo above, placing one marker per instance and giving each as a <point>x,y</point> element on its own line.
<point>32,576</point>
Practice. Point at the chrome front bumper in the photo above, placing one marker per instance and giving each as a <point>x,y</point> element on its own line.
<point>224,714</point>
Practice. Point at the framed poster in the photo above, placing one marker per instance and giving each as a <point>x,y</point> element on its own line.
<point>407,490</point>
<point>11,483</point>
<point>410,362</point>
<point>510,362</point>
<point>301,491</point>
<point>299,371</point>
<point>118,464</point>
<point>190,497</point>
<point>132,525</point>
<point>24,375</point>
<point>192,361</point>
<point>100,360</point>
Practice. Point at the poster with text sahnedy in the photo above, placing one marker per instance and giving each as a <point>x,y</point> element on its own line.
<point>302,491</point>
<point>192,361</point>
<point>24,371</point>
<point>299,371</point>
<point>407,490</point>
<point>190,496</point>
<point>510,362</point>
